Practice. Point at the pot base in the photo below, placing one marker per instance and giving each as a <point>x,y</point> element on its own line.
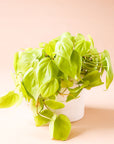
<point>73,109</point>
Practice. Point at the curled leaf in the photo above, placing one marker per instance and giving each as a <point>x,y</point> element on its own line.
<point>106,64</point>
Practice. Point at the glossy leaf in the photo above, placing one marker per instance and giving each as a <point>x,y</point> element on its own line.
<point>9,100</point>
<point>76,63</point>
<point>25,60</point>
<point>63,64</point>
<point>63,51</point>
<point>81,45</point>
<point>46,71</point>
<point>79,37</point>
<point>31,84</point>
<point>60,127</point>
<point>49,88</point>
<point>50,47</point>
<point>64,47</point>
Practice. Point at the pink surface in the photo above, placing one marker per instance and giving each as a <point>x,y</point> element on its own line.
<point>24,24</point>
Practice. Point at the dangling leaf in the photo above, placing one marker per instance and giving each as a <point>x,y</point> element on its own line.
<point>60,127</point>
<point>106,64</point>
<point>9,100</point>
<point>43,118</point>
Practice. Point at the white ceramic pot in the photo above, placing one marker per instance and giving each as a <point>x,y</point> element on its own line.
<point>73,109</point>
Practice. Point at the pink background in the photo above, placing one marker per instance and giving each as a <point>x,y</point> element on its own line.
<point>24,24</point>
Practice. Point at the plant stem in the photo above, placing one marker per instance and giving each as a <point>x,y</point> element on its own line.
<point>38,113</point>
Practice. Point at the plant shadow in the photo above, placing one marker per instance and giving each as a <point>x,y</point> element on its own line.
<point>95,118</point>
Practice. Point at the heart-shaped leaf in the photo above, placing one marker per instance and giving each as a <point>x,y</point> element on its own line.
<point>60,127</point>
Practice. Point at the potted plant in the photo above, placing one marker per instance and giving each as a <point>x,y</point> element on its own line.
<point>52,77</point>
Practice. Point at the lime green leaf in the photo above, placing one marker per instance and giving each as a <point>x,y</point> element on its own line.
<point>76,89</point>
<point>91,40</point>
<point>63,64</point>
<point>106,63</point>
<point>93,78</point>
<point>66,83</point>
<point>49,88</point>
<point>50,47</point>
<point>9,100</point>
<point>43,118</point>
<point>76,63</point>
<point>79,37</point>
<point>66,35</point>
<point>74,93</point>
<point>25,60</point>
<point>72,96</point>
<point>47,73</point>
<point>81,45</point>
<point>64,47</point>
<point>40,120</point>
<point>47,70</point>
<point>30,83</point>
<point>38,53</point>
<point>60,127</point>
<point>33,106</point>
<point>24,93</point>
<point>52,97</point>
<point>47,113</point>
<point>54,104</point>
<point>63,51</point>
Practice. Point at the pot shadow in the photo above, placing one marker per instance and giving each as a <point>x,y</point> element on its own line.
<point>95,118</point>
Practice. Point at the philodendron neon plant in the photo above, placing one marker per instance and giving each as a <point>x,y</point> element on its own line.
<point>66,63</point>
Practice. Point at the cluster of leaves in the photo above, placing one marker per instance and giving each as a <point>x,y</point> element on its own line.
<point>42,73</point>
